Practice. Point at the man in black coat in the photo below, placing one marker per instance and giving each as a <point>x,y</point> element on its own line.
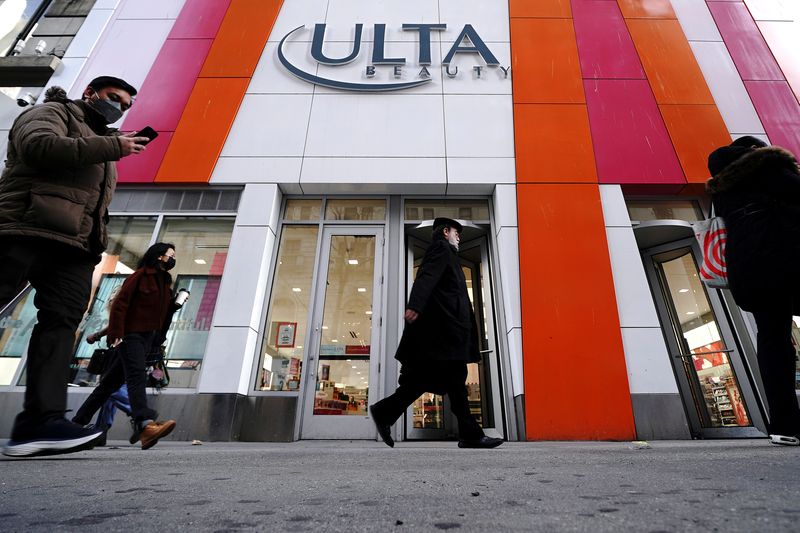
<point>440,338</point>
<point>756,189</point>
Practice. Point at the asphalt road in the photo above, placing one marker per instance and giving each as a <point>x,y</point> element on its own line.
<point>353,486</point>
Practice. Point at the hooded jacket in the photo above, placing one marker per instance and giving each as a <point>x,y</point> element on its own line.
<point>758,196</point>
<point>52,183</point>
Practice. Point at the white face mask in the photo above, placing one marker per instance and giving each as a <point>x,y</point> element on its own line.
<point>452,238</point>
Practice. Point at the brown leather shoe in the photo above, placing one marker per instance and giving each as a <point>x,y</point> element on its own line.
<point>154,431</point>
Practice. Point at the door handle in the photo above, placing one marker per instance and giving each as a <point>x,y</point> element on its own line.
<point>686,356</point>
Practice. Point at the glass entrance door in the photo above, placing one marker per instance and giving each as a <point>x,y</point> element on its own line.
<point>343,361</point>
<point>712,377</point>
<point>429,416</point>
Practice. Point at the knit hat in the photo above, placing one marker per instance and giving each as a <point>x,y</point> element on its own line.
<point>725,155</point>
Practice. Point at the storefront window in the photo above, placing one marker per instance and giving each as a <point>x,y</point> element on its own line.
<point>641,210</point>
<point>355,209</point>
<point>16,324</point>
<point>302,210</point>
<point>128,239</point>
<point>15,15</point>
<point>418,210</point>
<point>282,350</point>
<point>201,248</point>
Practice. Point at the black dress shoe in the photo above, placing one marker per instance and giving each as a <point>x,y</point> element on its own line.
<point>383,430</point>
<point>483,442</point>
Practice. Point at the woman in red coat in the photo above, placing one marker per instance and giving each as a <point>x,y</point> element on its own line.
<point>139,315</point>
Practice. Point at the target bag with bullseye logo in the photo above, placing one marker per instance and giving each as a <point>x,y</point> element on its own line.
<point>711,234</point>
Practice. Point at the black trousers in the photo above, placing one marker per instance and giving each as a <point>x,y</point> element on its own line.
<point>440,377</point>
<point>62,277</point>
<point>777,360</point>
<point>127,365</point>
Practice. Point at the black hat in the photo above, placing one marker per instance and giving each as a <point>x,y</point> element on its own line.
<point>101,82</point>
<point>725,155</point>
<point>449,222</point>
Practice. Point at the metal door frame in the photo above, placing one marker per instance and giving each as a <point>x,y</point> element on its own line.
<point>736,358</point>
<point>342,426</point>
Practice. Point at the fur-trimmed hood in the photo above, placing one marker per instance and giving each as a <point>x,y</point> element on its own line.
<point>757,163</point>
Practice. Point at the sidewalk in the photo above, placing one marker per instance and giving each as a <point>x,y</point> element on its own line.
<point>354,486</point>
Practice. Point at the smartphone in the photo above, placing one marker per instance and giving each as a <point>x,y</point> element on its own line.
<point>148,132</point>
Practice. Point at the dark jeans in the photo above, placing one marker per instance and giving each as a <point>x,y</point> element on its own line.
<point>127,365</point>
<point>62,277</point>
<point>441,377</point>
<point>776,360</point>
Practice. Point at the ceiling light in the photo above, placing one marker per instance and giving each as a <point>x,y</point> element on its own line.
<point>369,312</point>
<point>200,261</point>
<point>362,289</point>
<point>683,290</point>
<point>297,289</point>
<point>689,312</point>
<point>352,261</point>
<point>324,327</point>
<point>358,373</point>
<point>334,340</point>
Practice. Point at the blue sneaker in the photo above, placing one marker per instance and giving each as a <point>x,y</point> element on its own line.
<point>53,437</point>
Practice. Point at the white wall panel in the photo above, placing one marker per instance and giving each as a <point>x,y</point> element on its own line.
<point>492,80</point>
<point>508,252</point>
<point>151,9</point>
<point>269,125</point>
<point>784,10</point>
<point>3,145</point>
<point>9,110</point>
<point>91,30</point>
<point>116,57</point>
<point>241,294</point>
<point>106,4</point>
<point>479,172</point>
<point>356,71</point>
<point>271,77</point>
<point>515,359</point>
<point>615,212</point>
<point>726,86</point>
<point>488,17</point>
<point>237,170</point>
<point>260,206</point>
<point>505,206</point>
<point>696,20</point>
<point>343,15</point>
<point>479,126</point>
<point>376,125</point>
<point>299,13</point>
<point>634,300</point>
<point>648,361</point>
<point>412,175</point>
<point>228,361</point>
<point>67,74</point>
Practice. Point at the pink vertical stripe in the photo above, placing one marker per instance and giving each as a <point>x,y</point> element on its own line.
<point>199,19</point>
<point>779,111</point>
<point>169,83</point>
<point>631,142</point>
<point>745,43</point>
<point>605,47</point>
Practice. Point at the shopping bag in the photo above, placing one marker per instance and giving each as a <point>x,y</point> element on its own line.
<point>712,235</point>
<point>98,361</point>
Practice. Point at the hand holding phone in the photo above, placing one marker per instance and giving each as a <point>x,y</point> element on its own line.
<point>148,132</point>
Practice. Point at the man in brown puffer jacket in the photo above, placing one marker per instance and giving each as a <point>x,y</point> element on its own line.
<point>58,180</point>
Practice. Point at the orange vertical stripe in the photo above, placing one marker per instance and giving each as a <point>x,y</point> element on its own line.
<point>669,62</point>
<point>202,131</point>
<point>658,9</point>
<point>567,288</point>
<point>544,55</point>
<point>695,130</point>
<point>540,8</point>
<point>554,143</point>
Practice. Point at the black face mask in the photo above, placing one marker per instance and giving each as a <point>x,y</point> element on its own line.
<point>169,264</point>
<point>107,110</point>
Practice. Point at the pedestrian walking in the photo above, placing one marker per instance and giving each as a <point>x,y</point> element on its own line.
<point>439,339</point>
<point>117,400</point>
<point>140,314</point>
<point>755,188</point>
<point>58,180</point>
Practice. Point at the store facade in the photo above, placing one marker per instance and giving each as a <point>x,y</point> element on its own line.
<point>305,147</point>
